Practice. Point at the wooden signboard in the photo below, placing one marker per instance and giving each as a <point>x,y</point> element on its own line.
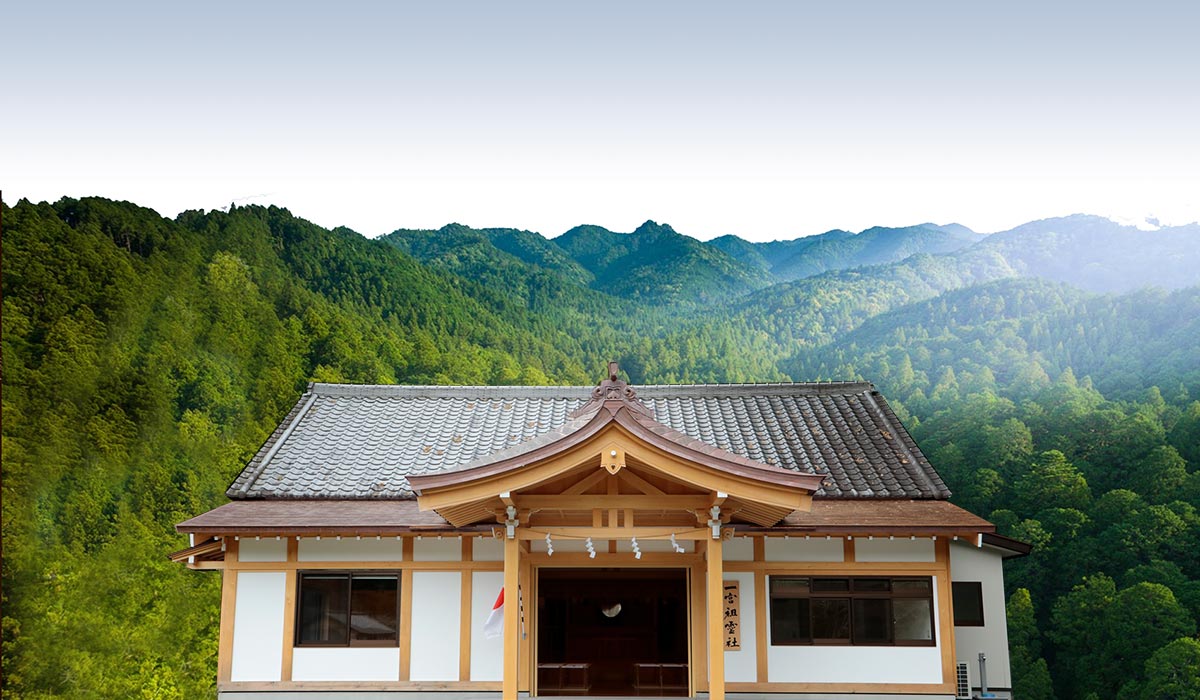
<point>733,617</point>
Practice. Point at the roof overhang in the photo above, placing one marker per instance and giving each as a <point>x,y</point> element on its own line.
<point>610,432</point>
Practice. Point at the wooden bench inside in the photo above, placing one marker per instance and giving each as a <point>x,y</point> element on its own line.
<point>660,679</point>
<point>564,679</point>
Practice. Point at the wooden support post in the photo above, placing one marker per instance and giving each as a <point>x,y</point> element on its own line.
<point>945,596</point>
<point>760,611</point>
<point>228,606</point>
<point>512,614</point>
<point>464,612</point>
<point>716,622</point>
<point>406,600</point>
<point>289,610</point>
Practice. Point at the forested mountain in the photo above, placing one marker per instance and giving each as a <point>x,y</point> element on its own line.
<point>839,250</point>
<point>145,359</point>
<point>654,264</point>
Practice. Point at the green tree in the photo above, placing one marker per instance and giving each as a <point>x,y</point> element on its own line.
<point>1030,675</point>
<point>1052,482</point>
<point>1173,672</point>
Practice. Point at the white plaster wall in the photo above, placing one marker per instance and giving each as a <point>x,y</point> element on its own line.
<point>350,549</point>
<point>345,664</point>
<point>742,665</point>
<point>258,626</point>
<point>434,549</point>
<point>968,563</point>
<point>262,550</point>
<point>856,664</point>
<point>436,598</point>
<point>737,549</point>
<point>487,655</point>
<point>800,549</point>
<point>487,549</point>
<point>883,549</point>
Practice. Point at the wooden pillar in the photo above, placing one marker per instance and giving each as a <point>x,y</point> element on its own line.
<point>289,610</point>
<point>716,622</point>
<point>512,614</point>
<point>228,607</point>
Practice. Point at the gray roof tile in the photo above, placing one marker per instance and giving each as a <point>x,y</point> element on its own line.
<point>361,442</point>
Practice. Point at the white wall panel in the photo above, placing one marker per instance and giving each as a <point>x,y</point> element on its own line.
<point>487,655</point>
<point>434,549</point>
<point>883,549</point>
<point>436,598</point>
<point>800,549</point>
<point>350,549</point>
<point>738,549</point>
<point>258,626</point>
<point>262,550</point>
<point>984,564</point>
<point>345,664</point>
<point>487,549</point>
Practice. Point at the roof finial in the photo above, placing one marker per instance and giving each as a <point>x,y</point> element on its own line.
<point>612,389</point>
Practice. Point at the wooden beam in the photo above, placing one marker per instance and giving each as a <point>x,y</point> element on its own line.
<point>621,559</point>
<point>636,501</point>
<point>848,549</point>
<point>585,483</point>
<point>639,483</point>
<point>355,565</point>
<point>352,686</point>
<point>512,562</point>
<point>883,689</point>
<point>714,583</point>
<point>613,488</point>
<point>608,533</point>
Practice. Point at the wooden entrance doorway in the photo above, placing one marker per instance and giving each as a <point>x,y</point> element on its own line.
<point>614,632</point>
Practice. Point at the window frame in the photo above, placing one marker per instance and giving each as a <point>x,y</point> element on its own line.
<point>850,595</point>
<point>977,586</point>
<point>350,576</point>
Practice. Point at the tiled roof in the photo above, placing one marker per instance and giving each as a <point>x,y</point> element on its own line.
<point>361,442</point>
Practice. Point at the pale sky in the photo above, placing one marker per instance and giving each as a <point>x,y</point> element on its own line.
<point>767,120</point>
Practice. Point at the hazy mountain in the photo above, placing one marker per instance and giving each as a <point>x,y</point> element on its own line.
<point>838,250</point>
<point>1100,255</point>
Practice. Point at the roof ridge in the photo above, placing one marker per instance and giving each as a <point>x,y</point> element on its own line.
<point>572,391</point>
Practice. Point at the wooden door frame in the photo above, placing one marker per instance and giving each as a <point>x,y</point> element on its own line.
<point>540,561</point>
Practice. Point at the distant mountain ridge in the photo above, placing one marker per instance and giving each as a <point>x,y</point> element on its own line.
<point>838,249</point>
<point>656,264</point>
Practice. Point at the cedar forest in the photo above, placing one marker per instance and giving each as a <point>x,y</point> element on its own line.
<point>1051,373</point>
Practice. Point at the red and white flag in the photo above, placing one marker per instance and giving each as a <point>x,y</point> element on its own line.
<point>494,627</point>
